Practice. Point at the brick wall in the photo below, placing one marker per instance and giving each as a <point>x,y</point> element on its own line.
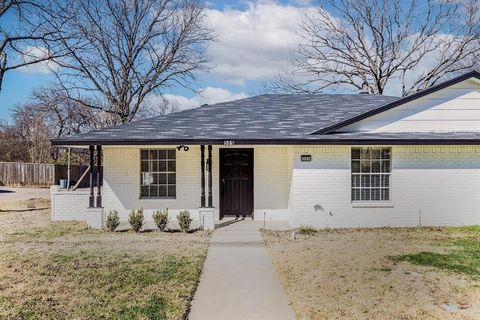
<point>122,183</point>
<point>272,170</point>
<point>431,185</point>
<point>68,205</point>
<point>272,176</point>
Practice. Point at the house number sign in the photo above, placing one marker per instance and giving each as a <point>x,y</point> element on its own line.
<point>228,142</point>
<point>306,157</point>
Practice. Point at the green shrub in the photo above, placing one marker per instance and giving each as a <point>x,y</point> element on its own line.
<point>136,219</point>
<point>184,220</point>
<point>308,231</point>
<point>161,219</point>
<point>113,221</point>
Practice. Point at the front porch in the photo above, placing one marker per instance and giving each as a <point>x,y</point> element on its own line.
<point>222,181</point>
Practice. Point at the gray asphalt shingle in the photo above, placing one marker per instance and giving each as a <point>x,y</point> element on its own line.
<point>275,119</point>
<point>264,117</point>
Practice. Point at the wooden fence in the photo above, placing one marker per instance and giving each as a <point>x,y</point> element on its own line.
<point>16,174</point>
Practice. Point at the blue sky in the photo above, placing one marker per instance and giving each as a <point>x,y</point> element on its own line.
<point>254,41</point>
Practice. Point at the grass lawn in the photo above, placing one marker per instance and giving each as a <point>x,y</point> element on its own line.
<point>464,256</point>
<point>386,273</point>
<point>65,271</point>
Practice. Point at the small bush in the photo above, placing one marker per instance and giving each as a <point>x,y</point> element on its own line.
<point>184,220</point>
<point>307,231</point>
<point>113,221</point>
<point>161,219</point>
<point>136,219</point>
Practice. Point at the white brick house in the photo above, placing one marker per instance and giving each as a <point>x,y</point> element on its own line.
<point>322,160</point>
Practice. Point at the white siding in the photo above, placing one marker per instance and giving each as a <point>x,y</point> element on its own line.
<point>455,108</point>
<point>437,185</point>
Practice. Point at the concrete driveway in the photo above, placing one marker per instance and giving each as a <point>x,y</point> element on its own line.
<point>18,194</point>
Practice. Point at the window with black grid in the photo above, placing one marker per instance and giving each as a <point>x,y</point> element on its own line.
<point>157,173</point>
<point>371,168</point>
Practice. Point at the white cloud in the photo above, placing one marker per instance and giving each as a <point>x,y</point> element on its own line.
<point>255,43</point>
<point>31,53</point>
<point>252,43</point>
<point>208,95</point>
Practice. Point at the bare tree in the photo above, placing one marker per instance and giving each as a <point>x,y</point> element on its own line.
<point>11,147</point>
<point>370,44</point>
<point>122,51</point>
<point>23,41</point>
<point>32,133</point>
<point>47,115</point>
<point>65,116</point>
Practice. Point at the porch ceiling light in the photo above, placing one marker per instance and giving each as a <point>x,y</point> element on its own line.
<point>185,148</point>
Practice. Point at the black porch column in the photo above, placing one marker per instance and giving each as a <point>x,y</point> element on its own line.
<point>91,202</point>
<point>99,176</point>
<point>209,161</point>
<point>202,182</point>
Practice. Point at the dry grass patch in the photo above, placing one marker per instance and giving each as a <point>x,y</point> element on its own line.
<point>65,271</point>
<point>365,274</point>
<point>23,205</point>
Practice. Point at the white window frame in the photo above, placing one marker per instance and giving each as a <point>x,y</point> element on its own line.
<point>151,172</point>
<point>359,186</point>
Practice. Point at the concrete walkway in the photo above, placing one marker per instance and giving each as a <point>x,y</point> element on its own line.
<point>238,280</point>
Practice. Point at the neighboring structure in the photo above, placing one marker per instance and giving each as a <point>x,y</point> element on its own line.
<point>319,160</point>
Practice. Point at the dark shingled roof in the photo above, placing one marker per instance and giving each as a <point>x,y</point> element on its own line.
<point>275,119</point>
<point>268,118</point>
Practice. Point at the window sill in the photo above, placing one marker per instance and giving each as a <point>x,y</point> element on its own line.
<point>158,198</point>
<point>373,204</point>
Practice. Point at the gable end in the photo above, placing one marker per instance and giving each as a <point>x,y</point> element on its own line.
<point>397,103</point>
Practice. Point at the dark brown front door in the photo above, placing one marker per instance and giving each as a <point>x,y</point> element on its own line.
<point>236,182</point>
